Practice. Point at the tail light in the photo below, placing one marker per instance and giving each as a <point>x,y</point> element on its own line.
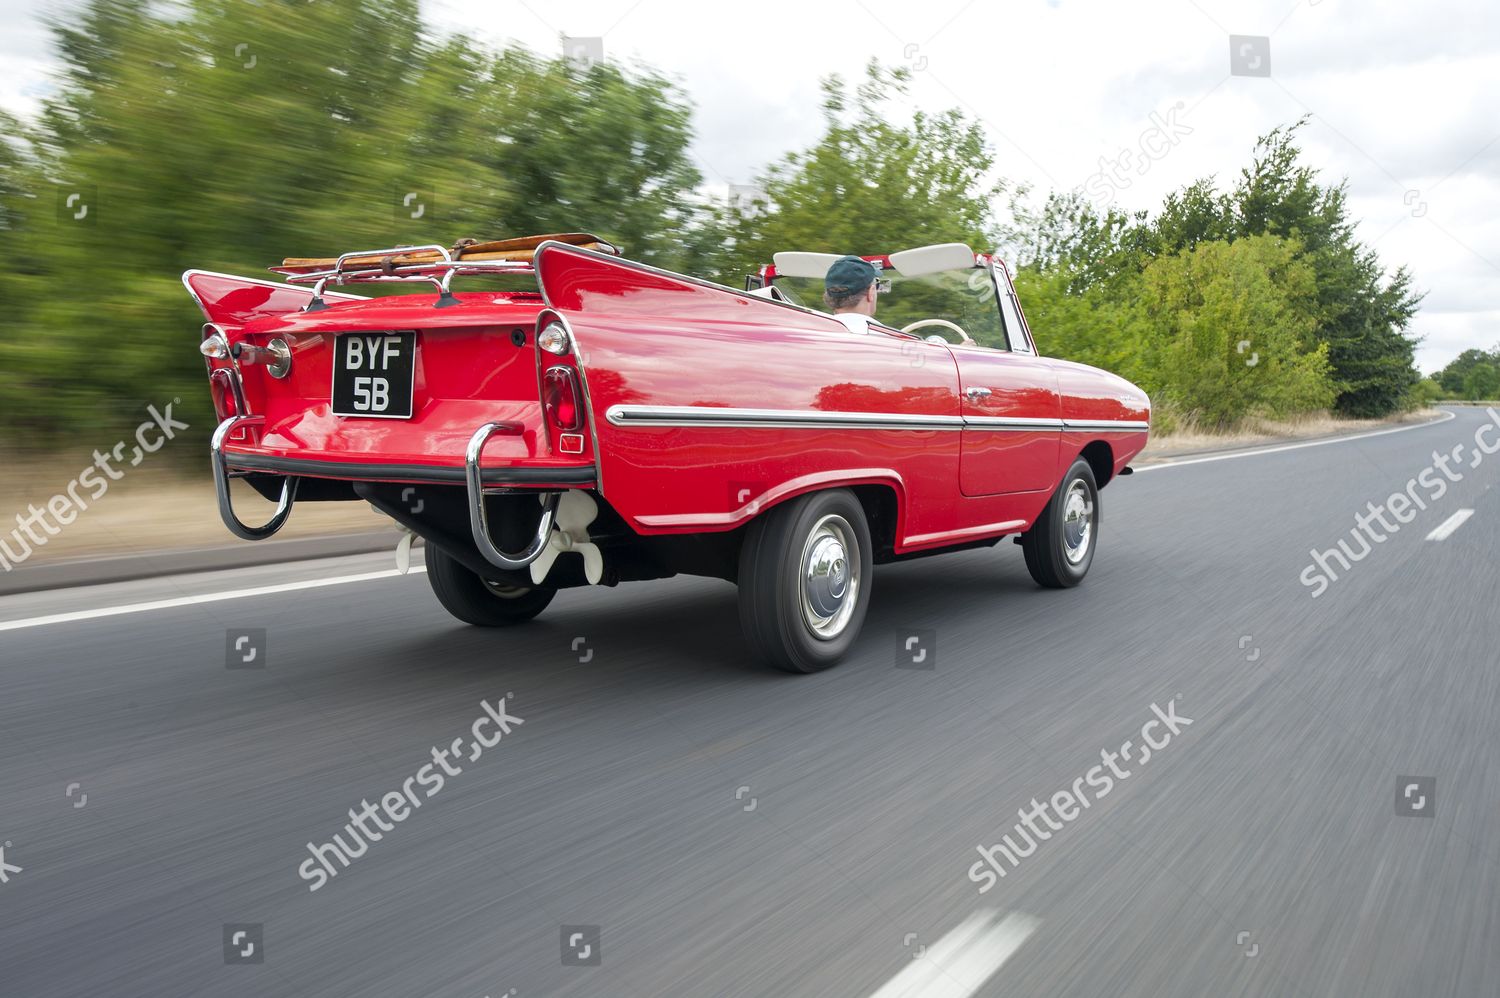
<point>560,398</point>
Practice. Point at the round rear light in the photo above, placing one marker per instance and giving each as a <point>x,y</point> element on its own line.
<point>553,339</point>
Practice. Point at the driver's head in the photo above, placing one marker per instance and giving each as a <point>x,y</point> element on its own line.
<point>850,286</point>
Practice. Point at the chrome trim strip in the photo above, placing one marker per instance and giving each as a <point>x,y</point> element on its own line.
<point>712,416</point>
<point>1119,425</point>
<point>1011,423</point>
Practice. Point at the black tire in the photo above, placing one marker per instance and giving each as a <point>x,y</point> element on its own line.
<point>1052,557</point>
<point>474,601</point>
<point>772,590</point>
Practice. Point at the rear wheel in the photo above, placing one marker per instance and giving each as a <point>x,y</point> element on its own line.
<point>804,580</point>
<point>476,600</point>
<point>1059,547</point>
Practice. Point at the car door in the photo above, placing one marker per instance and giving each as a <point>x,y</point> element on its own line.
<point>1012,421</point>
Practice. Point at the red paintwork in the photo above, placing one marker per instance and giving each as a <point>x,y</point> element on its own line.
<point>648,338</point>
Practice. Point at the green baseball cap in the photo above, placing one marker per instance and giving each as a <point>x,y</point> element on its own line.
<point>849,275</point>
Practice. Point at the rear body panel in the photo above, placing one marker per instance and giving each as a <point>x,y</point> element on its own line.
<point>475,363</point>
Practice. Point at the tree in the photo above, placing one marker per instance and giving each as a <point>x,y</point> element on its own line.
<point>870,184</point>
<point>1454,377</point>
<point>1230,332</point>
<point>227,135</point>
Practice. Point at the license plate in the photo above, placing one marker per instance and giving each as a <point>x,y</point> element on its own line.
<point>373,374</point>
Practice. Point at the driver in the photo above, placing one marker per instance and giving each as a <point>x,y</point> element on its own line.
<point>849,290</point>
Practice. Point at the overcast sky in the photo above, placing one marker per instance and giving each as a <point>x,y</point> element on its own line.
<point>1403,98</point>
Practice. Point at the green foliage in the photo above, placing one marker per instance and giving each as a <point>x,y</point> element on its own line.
<point>225,135</point>
<point>1231,332</point>
<point>870,184</point>
<point>1426,392</point>
<point>1473,375</point>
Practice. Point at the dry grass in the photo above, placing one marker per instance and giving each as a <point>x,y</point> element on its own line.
<point>1187,439</point>
<point>154,508</point>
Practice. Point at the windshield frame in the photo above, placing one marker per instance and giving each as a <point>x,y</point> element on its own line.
<point>998,288</point>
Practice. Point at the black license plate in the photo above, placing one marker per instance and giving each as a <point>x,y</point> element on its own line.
<point>373,374</point>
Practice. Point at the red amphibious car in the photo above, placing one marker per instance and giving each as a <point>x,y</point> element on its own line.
<point>597,420</point>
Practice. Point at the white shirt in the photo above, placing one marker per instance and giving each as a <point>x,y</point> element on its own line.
<point>855,321</point>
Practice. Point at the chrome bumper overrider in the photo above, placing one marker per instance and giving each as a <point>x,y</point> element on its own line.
<point>221,486</point>
<point>478,520</point>
<point>479,524</point>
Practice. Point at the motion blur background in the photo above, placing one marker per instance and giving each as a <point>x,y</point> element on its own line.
<point>1318,194</point>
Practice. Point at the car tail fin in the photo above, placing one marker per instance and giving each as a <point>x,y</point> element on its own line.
<point>232,301</point>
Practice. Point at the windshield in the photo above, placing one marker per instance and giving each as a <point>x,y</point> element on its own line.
<point>965,298</point>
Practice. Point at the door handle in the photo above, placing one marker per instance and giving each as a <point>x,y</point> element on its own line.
<point>975,394</point>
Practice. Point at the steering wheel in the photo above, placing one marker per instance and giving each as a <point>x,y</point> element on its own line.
<point>964,338</point>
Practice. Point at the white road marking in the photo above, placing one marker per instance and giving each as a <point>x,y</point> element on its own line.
<point>167,604</point>
<point>1447,415</point>
<point>957,965</point>
<point>1449,525</point>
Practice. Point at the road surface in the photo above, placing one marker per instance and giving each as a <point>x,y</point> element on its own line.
<point>670,818</point>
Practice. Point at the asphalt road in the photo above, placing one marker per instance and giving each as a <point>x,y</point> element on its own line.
<point>734,831</point>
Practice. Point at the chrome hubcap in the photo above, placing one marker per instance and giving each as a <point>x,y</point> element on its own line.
<point>828,577</point>
<point>1078,522</point>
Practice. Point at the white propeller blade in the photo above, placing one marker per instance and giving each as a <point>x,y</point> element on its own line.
<point>570,532</point>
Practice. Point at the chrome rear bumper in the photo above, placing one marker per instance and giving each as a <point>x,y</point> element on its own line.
<point>473,478</point>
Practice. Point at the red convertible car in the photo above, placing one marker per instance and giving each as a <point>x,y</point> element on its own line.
<point>594,420</point>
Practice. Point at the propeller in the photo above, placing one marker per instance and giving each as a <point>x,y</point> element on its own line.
<point>570,532</point>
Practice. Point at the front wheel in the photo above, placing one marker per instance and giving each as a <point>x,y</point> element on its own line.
<point>1059,547</point>
<point>476,600</point>
<point>804,580</point>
